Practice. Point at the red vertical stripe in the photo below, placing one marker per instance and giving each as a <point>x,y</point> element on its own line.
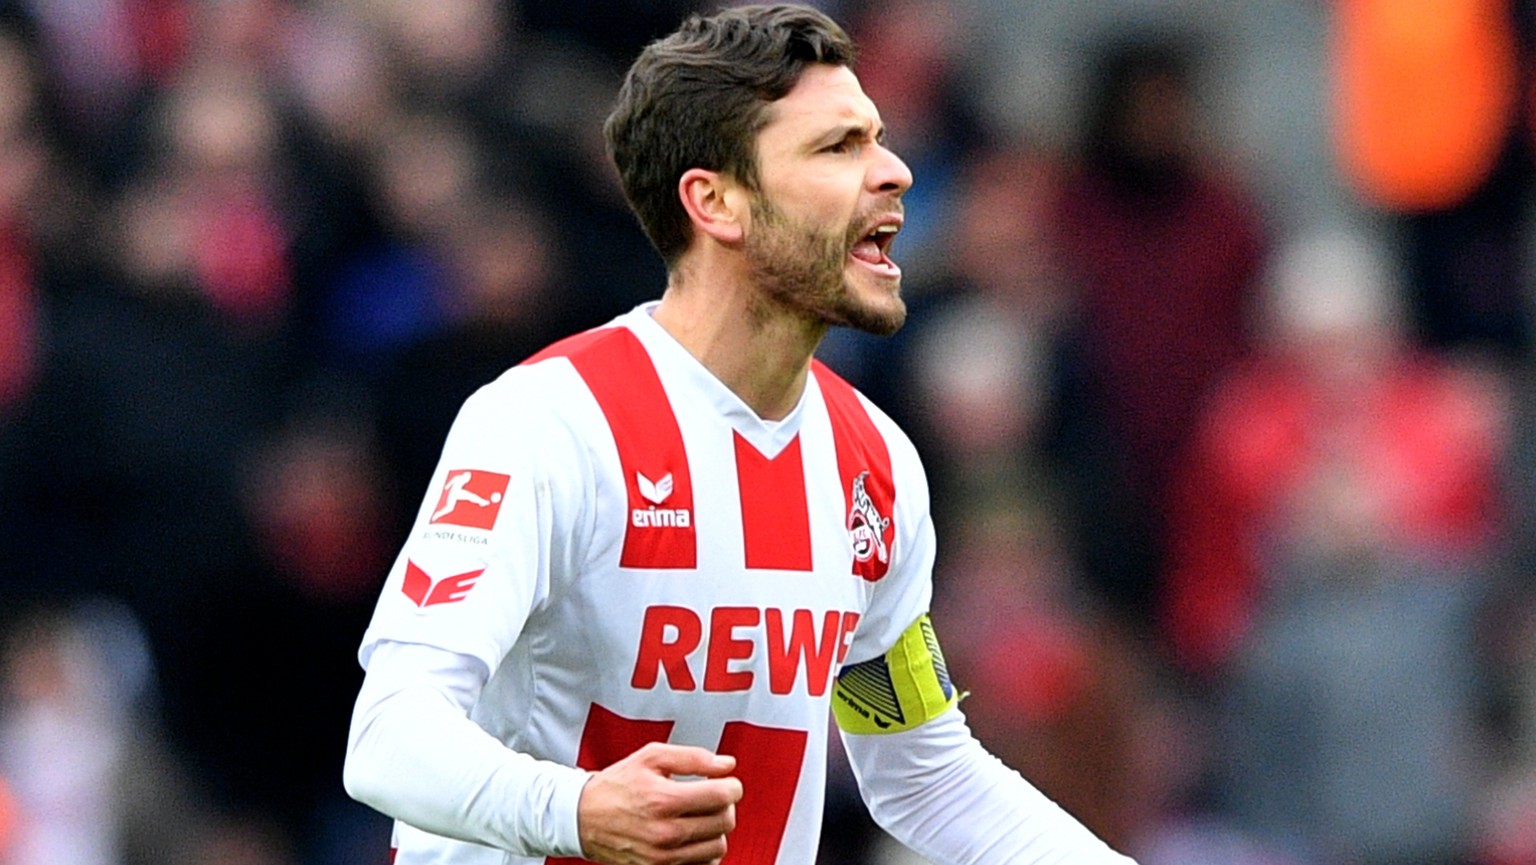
<point>775,522</point>
<point>861,453</point>
<point>768,762</point>
<point>606,739</point>
<point>609,737</point>
<point>620,375</point>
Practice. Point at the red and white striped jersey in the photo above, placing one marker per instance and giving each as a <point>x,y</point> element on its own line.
<point>636,556</point>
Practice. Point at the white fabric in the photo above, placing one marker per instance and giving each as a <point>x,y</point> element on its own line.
<point>496,645</point>
<point>935,789</point>
<point>465,784</point>
<point>556,622</point>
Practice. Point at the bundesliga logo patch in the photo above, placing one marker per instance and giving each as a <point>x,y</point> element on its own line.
<point>471,498</point>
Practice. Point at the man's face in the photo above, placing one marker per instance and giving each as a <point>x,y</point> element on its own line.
<point>828,206</point>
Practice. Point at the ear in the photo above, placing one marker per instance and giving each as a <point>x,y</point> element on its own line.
<point>715,203</point>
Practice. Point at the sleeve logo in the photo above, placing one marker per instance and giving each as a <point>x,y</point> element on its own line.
<point>471,498</point>
<point>426,592</point>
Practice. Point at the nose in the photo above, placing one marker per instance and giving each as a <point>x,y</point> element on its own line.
<point>889,173</point>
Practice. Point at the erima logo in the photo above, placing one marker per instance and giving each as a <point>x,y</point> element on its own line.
<point>654,492</point>
<point>426,592</point>
<point>657,492</point>
<point>866,528</point>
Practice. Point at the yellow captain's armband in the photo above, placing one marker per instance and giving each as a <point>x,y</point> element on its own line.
<point>905,688</point>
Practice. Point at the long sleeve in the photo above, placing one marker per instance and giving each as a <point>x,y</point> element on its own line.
<point>937,790</point>
<point>413,753</point>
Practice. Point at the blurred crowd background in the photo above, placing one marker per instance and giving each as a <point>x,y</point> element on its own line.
<point>1220,357</point>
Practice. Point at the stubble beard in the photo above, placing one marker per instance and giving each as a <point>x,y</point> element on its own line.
<point>803,271</point>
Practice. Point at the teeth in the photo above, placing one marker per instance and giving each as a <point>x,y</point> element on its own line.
<point>885,229</point>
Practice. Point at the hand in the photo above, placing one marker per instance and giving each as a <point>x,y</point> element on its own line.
<point>635,813</point>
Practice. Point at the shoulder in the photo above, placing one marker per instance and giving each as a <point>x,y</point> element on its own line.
<point>556,376</point>
<point>548,400</point>
<point>850,406</point>
<point>526,394</point>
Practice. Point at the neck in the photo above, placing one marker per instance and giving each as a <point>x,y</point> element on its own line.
<point>759,350</point>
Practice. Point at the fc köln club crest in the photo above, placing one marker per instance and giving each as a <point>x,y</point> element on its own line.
<point>866,528</point>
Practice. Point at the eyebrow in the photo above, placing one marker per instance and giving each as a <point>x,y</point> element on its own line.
<point>849,130</point>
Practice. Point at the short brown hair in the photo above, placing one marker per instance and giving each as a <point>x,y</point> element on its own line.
<point>697,98</point>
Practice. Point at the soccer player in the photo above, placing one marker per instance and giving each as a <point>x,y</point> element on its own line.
<point>695,538</point>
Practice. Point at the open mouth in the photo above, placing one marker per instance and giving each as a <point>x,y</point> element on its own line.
<point>874,248</point>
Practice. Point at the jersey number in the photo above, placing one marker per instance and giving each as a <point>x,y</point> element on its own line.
<point>768,761</point>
